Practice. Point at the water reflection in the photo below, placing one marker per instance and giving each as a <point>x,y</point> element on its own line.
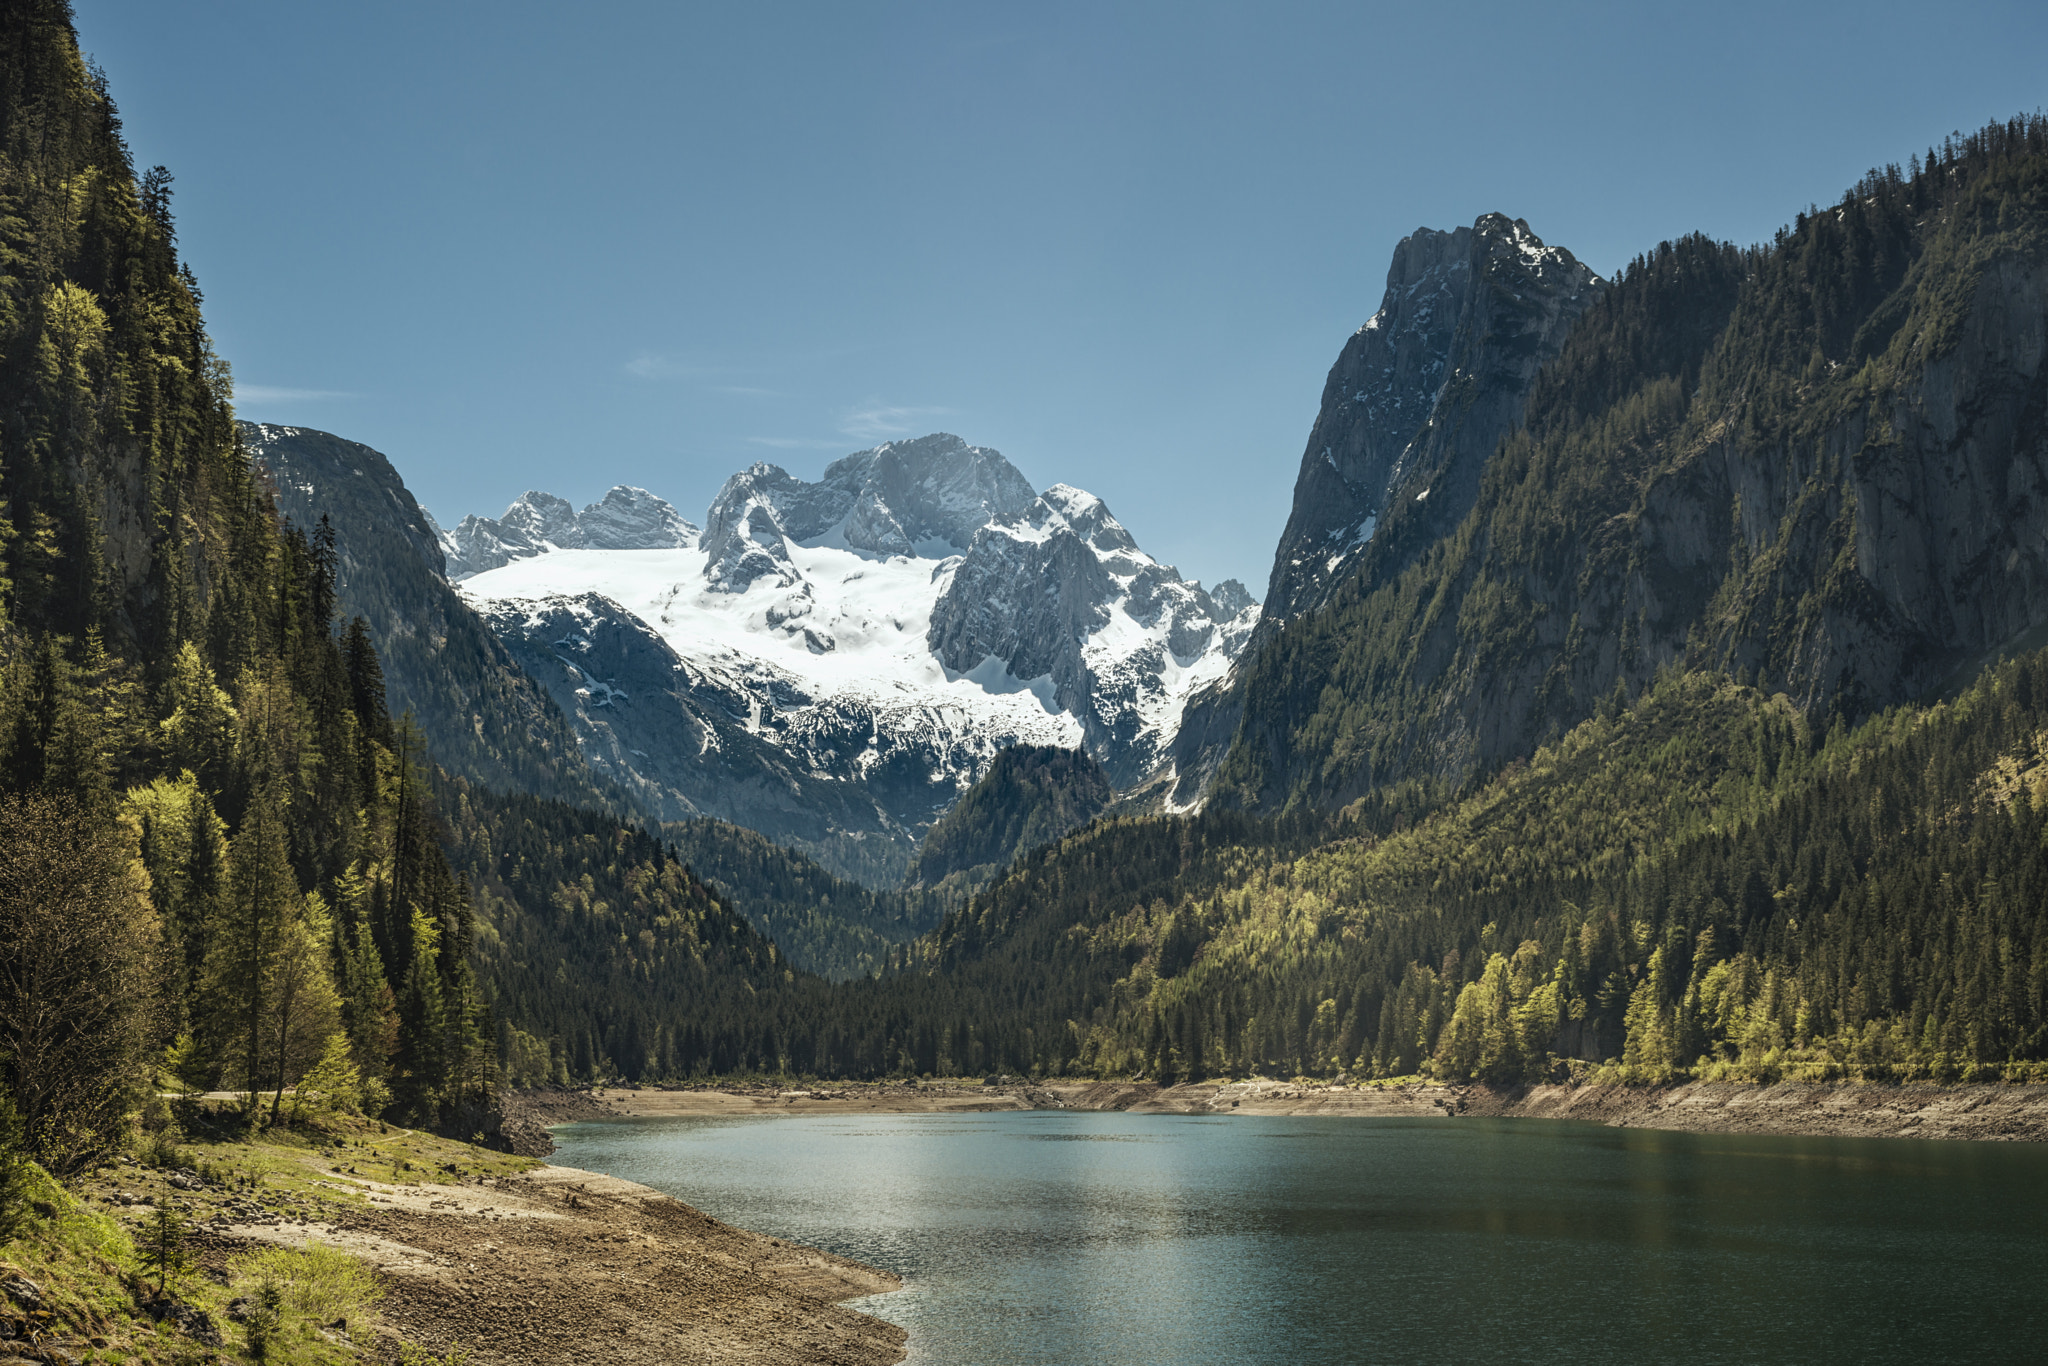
<point>1055,1238</point>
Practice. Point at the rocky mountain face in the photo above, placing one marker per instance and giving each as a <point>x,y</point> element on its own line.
<point>517,706</point>
<point>624,519</point>
<point>835,661</point>
<point>1416,403</point>
<point>688,741</point>
<point>1061,591</point>
<point>926,497</point>
<point>482,716</point>
<point>1819,464</point>
<point>1423,392</point>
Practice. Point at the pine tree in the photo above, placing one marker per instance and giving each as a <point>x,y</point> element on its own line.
<point>299,995</point>
<point>261,900</point>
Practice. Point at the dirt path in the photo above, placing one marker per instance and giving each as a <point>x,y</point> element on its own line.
<point>1845,1110</point>
<point>871,1098</point>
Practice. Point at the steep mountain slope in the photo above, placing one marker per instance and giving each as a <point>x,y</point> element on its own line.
<point>1423,392</point>
<point>689,740</point>
<point>1030,796</point>
<point>481,714</point>
<point>834,662</point>
<point>1820,462</point>
<point>485,718</point>
<point>1414,406</point>
<point>1697,883</point>
<point>1061,592</point>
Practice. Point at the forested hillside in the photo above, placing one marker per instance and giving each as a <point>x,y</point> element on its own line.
<point>1031,794</point>
<point>479,714</point>
<point>225,861</point>
<point>1820,462</point>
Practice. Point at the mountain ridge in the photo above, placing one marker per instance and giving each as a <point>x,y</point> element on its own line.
<point>872,638</point>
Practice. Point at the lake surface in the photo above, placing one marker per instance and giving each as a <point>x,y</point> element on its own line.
<point>1062,1239</point>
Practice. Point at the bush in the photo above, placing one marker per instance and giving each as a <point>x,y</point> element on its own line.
<point>162,1151</point>
<point>335,1085</point>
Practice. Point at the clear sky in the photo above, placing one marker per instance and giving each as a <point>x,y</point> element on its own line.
<point>562,246</point>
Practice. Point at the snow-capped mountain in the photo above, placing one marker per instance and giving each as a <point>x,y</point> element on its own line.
<point>851,652</point>
<point>1060,591</point>
<point>626,519</point>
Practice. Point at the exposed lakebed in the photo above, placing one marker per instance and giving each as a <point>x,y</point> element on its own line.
<point>1061,1237</point>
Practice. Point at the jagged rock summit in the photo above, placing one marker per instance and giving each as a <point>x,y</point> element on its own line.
<point>1061,591</point>
<point>626,518</point>
<point>1423,391</point>
<point>888,628</point>
<point>1414,406</point>
<point>925,497</point>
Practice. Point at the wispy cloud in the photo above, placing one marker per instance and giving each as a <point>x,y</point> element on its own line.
<point>795,443</point>
<point>666,365</point>
<point>274,393</point>
<point>675,365</point>
<point>873,421</point>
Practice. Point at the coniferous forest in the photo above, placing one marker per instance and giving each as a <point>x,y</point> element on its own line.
<point>228,865</point>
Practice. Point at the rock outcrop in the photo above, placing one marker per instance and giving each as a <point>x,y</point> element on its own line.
<point>1423,392</point>
<point>688,741</point>
<point>924,497</point>
<point>1818,466</point>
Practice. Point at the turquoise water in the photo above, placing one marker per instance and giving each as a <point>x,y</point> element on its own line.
<point>1057,1239</point>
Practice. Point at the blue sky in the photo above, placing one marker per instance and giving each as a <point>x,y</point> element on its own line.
<point>562,246</point>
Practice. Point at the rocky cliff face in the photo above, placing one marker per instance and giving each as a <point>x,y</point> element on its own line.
<point>1422,392</point>
<point>1061,591</point>
<point>1417,401</point>
<point>924,497</point>
<point>687,741</point>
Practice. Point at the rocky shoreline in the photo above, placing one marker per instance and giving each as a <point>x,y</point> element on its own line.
<point>497,1258</point>
<point>1977,1112</point>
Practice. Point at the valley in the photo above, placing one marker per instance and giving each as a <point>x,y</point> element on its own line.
<point>1644,733</point>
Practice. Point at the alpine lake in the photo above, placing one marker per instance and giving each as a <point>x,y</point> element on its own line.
<point>1057,1238</point>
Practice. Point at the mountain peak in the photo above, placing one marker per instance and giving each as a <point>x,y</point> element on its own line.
<point>1423,390</point>
<point>626,518</point>
<point>924,497</point>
